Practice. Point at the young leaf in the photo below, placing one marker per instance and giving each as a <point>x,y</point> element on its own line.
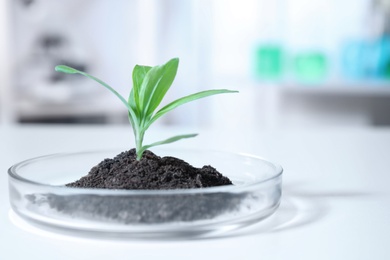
<point>132,103</point>
<point>139,73</point>
<point>187,99</point>
<point>155,85</point>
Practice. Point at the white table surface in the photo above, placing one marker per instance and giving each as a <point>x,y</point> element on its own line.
<point>335,205</point>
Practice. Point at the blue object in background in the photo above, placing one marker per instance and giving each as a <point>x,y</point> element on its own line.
<point>354,59</point>
<point>384,57</point>
<point>367,59</point>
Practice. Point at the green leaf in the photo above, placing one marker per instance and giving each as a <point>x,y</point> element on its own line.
<point>187,99</point>
<point>155,85</point>
<point>131,102</point>
<point>66,69</point>
<point>166,141</point>
<point>139,73</point>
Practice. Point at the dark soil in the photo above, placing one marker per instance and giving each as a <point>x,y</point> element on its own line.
<point>140,209</point>
<point>150,173</point>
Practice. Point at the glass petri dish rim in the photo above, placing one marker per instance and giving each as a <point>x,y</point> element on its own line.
<point>13,174</point>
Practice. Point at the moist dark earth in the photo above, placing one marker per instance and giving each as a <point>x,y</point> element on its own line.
<point>150,173</point>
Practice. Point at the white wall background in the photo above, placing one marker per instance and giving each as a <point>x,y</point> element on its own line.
<point>5,110</point>
<point>215,40</point>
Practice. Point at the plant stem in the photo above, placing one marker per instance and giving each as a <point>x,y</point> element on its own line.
<point>138,144</point>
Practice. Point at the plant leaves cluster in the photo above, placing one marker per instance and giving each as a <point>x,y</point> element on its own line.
<point>150,84</point>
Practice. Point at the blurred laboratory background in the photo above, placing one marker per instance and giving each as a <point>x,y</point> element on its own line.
<point>296,63</point>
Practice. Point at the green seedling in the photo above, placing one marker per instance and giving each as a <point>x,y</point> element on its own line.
<point>150,84</point>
